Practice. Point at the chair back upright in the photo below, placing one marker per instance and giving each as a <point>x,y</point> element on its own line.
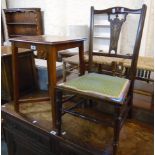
<point>117,16</point>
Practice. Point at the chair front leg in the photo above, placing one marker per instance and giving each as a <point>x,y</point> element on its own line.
<point>131,107</point>
<point>116,129</point>
<point>59,94</point>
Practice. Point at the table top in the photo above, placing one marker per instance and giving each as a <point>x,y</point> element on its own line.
<point>46,39</point>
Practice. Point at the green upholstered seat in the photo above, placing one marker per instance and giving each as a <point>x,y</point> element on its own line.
<point>104,86</point>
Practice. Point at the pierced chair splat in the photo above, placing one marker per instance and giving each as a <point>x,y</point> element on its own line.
<point>117,91</point>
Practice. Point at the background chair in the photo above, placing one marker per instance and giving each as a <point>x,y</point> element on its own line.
<point>114,90</point>
<point>101,63</point>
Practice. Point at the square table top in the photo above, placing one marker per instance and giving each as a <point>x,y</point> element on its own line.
<point>47,39</point>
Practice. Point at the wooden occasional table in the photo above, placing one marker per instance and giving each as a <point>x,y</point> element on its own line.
<point>51,45</point>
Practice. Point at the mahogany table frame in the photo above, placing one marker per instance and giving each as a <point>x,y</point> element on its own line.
<point>51,48</point>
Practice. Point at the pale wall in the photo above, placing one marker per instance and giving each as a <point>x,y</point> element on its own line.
<point>58,14</point>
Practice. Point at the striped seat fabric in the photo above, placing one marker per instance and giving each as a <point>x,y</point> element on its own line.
<point>102,86</point>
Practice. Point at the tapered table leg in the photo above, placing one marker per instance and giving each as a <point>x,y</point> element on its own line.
<point>52,80</point>
<point>15,70</point>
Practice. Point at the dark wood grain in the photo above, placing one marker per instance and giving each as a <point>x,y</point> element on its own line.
<point>15,76</point>
<point>52,80</point>
<point>23,21</point>
<point>81,59</point>
<point>47,39</point>
<point>118,10</point>
<point>115,29</point>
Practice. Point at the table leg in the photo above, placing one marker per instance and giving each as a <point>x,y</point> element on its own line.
<point>15,77</point>
<point>52,81</point>
<point>81,58</point>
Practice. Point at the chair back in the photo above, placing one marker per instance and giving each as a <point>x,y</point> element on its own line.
<point>117,17</point>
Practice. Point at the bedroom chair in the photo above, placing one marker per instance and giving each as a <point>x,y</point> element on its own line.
<point>115,90</point>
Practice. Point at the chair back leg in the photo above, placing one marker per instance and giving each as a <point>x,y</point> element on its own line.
<point>131,107</point>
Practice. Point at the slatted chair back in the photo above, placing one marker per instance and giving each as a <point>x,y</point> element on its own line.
<point>117,16</point>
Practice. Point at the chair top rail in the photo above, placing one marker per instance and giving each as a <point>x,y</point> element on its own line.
<point>118,10</point>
